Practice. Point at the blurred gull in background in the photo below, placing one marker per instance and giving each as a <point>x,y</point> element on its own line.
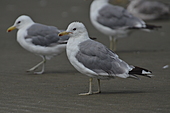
<point>149,10</point>
<point>39,39</point>
<point>114,21</point>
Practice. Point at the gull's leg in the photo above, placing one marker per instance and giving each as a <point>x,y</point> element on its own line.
<point>99,88</point>
<point>43,66</point>
<point>36,66</point>
<point>114,44</point>
<point>90,88</point>
<point>111,42</point>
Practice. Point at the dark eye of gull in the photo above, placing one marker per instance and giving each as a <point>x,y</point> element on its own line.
<point>18,22</point>
<point>74,29</point>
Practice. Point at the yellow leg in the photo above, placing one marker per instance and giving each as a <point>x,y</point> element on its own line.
<point>113,42</point>
<point>90,88</point>
<point>99,88</point>
<point>36,66</point>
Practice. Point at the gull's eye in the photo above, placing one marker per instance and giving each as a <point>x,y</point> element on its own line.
<point>74,29</point>
<point>18,22</point>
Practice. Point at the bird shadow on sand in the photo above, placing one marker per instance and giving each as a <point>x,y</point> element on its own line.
<point>54,72</point>
<point>61,72</point>
<point>123,92</point>
<point>138,51</point>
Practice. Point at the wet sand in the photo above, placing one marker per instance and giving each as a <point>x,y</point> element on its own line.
<point>57,90</point>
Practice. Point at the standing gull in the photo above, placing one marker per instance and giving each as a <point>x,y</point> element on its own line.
<point>39,39</point>
<point>114,21</point>
<point>149,10</point>
<point>94,59</point>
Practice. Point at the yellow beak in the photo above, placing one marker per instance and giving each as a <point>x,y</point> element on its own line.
<point>64,33</point>
<point>11,28</point>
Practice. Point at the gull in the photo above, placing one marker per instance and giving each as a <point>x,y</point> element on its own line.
<point>39,39</point>
<point>149,10</point>
<point>93,59</point>
<point>114,21</point>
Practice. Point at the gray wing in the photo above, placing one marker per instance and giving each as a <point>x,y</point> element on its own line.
<point>152,7</point>
<point>116,17</point>
<point>45,35</point>
<point>100,59</point>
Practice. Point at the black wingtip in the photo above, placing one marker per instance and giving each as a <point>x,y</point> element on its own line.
<point>140,71</point>
<point>151,27</point>
<point>148,26</point>
<point>93,38</point>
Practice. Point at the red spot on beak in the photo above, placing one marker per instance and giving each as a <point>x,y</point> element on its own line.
<point>60,35</point>
<point>9,30</point>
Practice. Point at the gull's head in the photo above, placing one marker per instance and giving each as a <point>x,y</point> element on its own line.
<point>75,29</point>
<point>21,22</point>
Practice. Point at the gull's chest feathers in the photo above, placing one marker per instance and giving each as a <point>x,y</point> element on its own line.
<point>21,34</point>
<point>21,37</point>
<point>72,47</point>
